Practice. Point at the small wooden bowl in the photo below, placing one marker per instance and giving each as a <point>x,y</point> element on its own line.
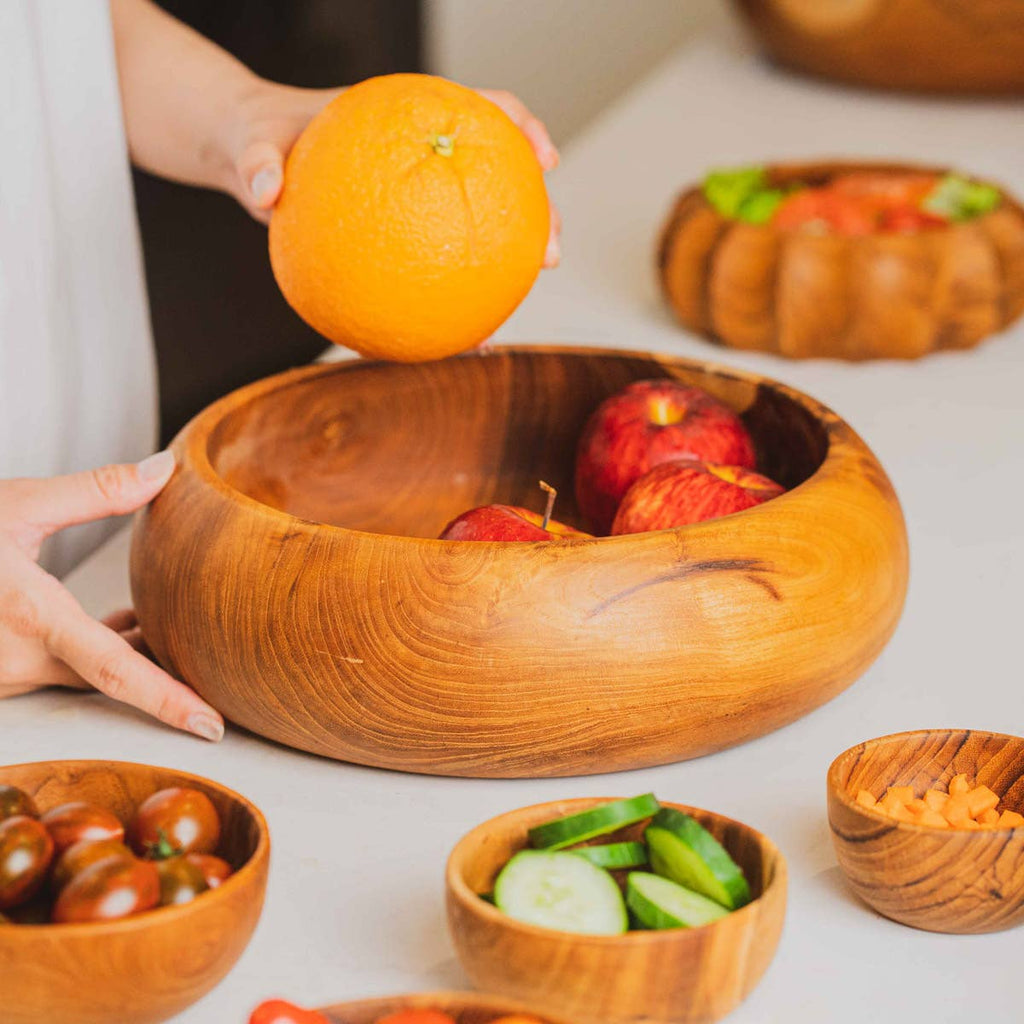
<point>465,1007</point>
<point>660,977</point>
<point>141,969</point>
<point>937,879</point>
<point>950,46</point>
<point>289,572</point>
<point>806,295</point>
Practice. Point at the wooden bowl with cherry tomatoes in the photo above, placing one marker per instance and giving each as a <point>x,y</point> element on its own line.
<point>127,891</point>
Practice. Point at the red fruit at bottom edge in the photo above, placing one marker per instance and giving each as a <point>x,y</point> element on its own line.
<point>277,1011</point>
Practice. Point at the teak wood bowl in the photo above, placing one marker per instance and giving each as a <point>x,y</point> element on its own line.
<point>678,976</point>
<point>288,571</point>
<point>941,880</point>
<point>465,1007</point>
<point>145,968</point>
<point>951,46</point>
<point>806,295</point>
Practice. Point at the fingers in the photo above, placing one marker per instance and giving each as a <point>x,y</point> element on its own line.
<point>121,621</point>
<point>553,253</point>
<point>261,172</point>
<point>533,128</point>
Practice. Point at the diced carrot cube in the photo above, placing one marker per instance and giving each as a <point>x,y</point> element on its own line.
<point>1011,819</point>
<point>902,793</point>
<point>959,784</point>
<point>956,810</point>
<point>916,806</point>
<point>933,818</point>
<point>900,813</point>
<point>967,823</point>
<point>891,802</point>
<point>936,799</point>
<point>989,817</point>
<point>981,799</point>
<point>866,799</point>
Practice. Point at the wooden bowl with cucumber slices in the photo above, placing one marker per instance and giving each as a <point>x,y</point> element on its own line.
<point>694,960</point>
<point>290,571</point>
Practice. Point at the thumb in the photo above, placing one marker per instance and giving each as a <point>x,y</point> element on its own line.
<point>261,172</point>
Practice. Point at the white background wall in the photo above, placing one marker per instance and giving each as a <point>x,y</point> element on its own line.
<point>567,59</point>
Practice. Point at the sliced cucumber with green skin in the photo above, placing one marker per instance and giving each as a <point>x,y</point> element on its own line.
<point>660,903</point>
<point>561,891</point>
<point>597,821</point>
<point>683,851</point>
<point>614,856</point>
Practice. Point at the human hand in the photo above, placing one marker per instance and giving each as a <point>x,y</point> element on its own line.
<point>46,639</point>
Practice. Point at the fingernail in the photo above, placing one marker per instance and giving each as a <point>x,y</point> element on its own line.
<point>265,185</point>
<point>156,467</point>
<point>553,253</point>
<point>206,726</point>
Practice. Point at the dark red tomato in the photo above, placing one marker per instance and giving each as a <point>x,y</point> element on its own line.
<point>277,1011</point>
<point>14,802</point>
<point>84,854</point>
<point>175,821</point>
<point>905,219</point>
<point>79,822</point>
<point>213,868</point>
<point>180,881</point>
<point>26,851</point>
<point>108,890</point>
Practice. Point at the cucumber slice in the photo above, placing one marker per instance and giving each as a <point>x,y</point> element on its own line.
<point>598,821</point>
<point>681,850</point>
<point>659,903</point>
<point>563,891</point>
<point>614,856</point>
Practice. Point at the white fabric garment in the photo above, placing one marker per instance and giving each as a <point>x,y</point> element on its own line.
<point>77,371</point>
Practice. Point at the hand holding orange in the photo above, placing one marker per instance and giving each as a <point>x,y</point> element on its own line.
<point>413,219</point>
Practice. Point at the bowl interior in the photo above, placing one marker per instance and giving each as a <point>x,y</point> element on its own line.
<point>402,450</point>
<point>930,758</point>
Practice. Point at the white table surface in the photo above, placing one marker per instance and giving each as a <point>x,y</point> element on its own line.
<point>355,905</point>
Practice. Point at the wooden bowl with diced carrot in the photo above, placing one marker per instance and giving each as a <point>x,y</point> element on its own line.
<point>928,829</point>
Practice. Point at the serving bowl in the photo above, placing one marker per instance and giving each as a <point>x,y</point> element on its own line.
<point>952,46</point>
<point>465,1007</point>
<point>941,880</point>
<point>804,295</point>
<point>141,969</point>
<point>289,573</point>
<point>690,975</point>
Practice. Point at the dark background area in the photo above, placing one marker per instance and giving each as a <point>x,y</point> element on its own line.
<point>219,320</point>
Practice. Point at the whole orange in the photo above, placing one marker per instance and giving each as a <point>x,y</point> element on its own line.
<point>413,219</point>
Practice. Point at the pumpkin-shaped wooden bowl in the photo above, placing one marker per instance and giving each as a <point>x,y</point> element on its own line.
<point>289,571</point>
<point>141,969</point>
<point>464,1007</point>
<point>941,880</point>
<point>951,46</point>
<point>803,294</point>
<point>690,975</point>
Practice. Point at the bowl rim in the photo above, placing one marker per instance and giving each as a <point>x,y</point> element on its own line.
<point>245,875</point>
<point>482,1001</point>
<point>457,887</point>
<point>840,792</point>
<point>193,442</point>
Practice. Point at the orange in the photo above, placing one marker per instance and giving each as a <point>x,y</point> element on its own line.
<point>413,219</point>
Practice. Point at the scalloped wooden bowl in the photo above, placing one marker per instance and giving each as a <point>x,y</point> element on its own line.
<point>679,976</point>
<point>952,46</point>
<point>146,968</point>
<point>804,295</point>
<point>937,879</point>
<point>465,1007</point>
<point>288,572</point>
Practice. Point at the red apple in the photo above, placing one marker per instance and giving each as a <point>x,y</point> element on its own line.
<point>647,423</point>
<point>687,491</point>
<point>505,522</point>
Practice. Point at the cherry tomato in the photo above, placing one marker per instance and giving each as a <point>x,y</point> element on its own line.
<point>214,869</point>
<point>416,1017</point>
<point>13,801</point>
<point>77,822</point>
<point>277,1011</point>
<point>84,854</point>
<point>905,219</point>
<point>175,821</point>
<point>180,881</point>
<point>516,1020</point>
<point>905,189</point>
<point>108,890</point>
<point>26,850</point>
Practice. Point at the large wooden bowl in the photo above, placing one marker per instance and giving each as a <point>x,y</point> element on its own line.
<point>678,976</point>
<point>141,969</point>
<point>465,1007</point>
<point>804,295</point>
<point>952,46</point>
<point>288,572</point>
<point>941,880</point>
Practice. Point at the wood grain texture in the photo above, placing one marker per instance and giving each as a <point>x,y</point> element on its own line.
<point>142,969</point>
<point>681,976</point>
<point>806,295</point>
<point>288,574</point>
<point>940,880</point>
<point>949,46</point>
<point>465,1007</point>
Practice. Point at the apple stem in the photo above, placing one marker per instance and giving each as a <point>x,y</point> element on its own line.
<point>552,494</point>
